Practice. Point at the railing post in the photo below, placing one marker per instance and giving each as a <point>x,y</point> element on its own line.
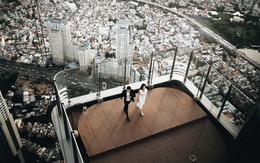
<point>150,70</point>
<point>74,148</point>
<point>65,121</point>
<point>125,73</point>
<point>173,62</point>
<point>140,78</point>
<point>57,97</point>
<point>99,83</point>
<point>204,84</point>
<point>65,76</point>
<point>188,67</point>
<point>224,102</point>
<point>197,95</point>
<point>97,79</point>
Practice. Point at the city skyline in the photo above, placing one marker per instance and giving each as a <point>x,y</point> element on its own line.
<point>175,31</point>
<point>152,42</point>
<point>80,34</point>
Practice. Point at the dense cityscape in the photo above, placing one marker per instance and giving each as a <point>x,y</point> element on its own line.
<point>40,38</point>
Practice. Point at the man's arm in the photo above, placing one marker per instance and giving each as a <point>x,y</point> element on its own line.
<point>122,94</point>
<point>133,95</point>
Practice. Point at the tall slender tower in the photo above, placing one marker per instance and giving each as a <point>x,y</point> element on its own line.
<point>122,39</point>
<point>124,51</point>
<point>10,141</point>
<point>60,38</point>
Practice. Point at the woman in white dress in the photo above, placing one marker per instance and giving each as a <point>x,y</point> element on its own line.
<point>141,98</point>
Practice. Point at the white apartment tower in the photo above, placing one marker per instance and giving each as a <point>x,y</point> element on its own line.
<point>60,38</point>
<point>73,51</point>
<point>84,55</point>
<point>9,137</point>
<point>109,67</point>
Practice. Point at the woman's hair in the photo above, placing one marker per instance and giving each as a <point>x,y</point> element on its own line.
<point>142,86</point>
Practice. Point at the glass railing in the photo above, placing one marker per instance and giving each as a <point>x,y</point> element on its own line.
<point>182,61</point>
<point>65,134</point>
<point>216,89</point>
<point>197,73</point>
<point>72,135</point>
<point>113,73</point>
<point>61,85</point>
<point>82,81</point>
<point>60,79</point>
<point>162,63</point>
<point>223,100</point>
<point>237,107</point>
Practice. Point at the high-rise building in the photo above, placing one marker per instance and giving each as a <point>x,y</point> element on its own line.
<point>124,50</point>
<point>109,67</point>
<point>123,39</point>
<point>73,51</point>
<point>10,141</point>
<point>60,38</point>
<point>84,55</point>
<point>124,68</point>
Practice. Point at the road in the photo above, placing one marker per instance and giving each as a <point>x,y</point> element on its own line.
<point>28,70</point>
<point>74,79</point>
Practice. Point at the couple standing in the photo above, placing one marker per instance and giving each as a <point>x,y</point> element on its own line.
<point>129,96</point>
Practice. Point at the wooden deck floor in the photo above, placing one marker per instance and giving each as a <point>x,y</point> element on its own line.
<point>174,146</point>
<point>104,126</point>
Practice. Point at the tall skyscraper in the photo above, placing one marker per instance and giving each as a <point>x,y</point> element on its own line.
<point>60,38</point>
<point>124,50</point>
<point>122,39</point>
<point>10,141</point>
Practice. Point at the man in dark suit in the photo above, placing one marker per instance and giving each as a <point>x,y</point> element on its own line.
<point>129,96</point>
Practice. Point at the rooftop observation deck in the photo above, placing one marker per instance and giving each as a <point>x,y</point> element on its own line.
<point>173,127</point>
<point>172,118</point>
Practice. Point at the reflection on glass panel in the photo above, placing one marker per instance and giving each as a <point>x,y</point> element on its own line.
<point>112,73</point>
<point>140,68</point>
<point>81,81</point>
<point>162,62</point>
<point>105,74</point>
<point>238,107</point>
<point>182,59</point>
<point>123,71</point>
<point>243,74</point>
<point>118,72</point>
<point>198,71</point>
<point>60,80</point>
<point>216,88</point>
